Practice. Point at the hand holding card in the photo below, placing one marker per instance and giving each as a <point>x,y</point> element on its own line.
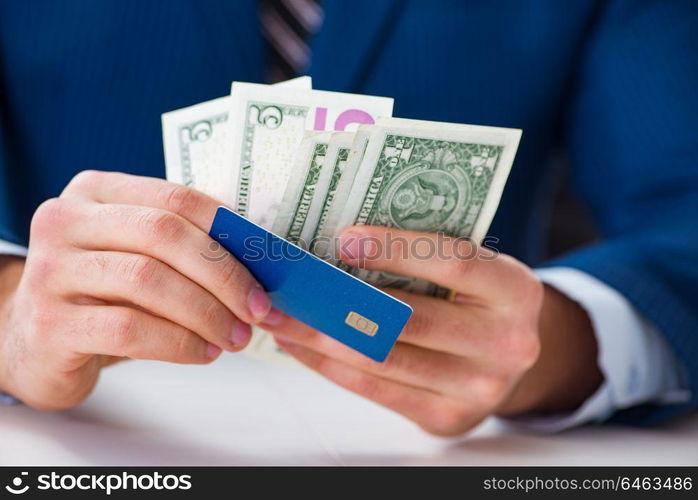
<point>313,291</point>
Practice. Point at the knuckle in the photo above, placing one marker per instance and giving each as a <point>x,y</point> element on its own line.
<point>94,262</point>
<point>42,321</point>
<point>121,328</point>
<point>367,385</point>
<point>318,342</point>
<point>512,263</point>
<point>180,199</point>
<point>462,267</point>
<point>523,280</point>
<point>446,419</point>
<point>160,226</point>
<point>84,180</point>
<point>40,268</point>
<point>490,391</point>
<point>142,271</point>
<point>230,273</point>
<point>214,314</point>
<point>51,214</point>
<point>529,352</point>
<point>184,349</point>
<point>521,347</point>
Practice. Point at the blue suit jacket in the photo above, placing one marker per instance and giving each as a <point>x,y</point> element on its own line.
<point>612,83</point>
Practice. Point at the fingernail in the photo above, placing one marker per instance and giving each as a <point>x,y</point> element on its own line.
<point>241,333</point>
<point>212,351</point>
<point>258,302</point>
<point>355,246</point>
<point>274,318</point>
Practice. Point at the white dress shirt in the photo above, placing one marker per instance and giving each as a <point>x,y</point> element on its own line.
<point>637,363</point>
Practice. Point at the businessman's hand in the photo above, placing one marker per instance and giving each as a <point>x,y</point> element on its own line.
<point>505,346</point>
<point>117,269</point>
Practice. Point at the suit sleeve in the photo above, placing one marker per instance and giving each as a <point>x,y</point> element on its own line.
<point>7,232</point>
<point>633,141</point>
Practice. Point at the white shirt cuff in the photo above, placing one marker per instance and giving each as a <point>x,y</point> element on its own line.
<point>7,248</point>
<point>636,360</point>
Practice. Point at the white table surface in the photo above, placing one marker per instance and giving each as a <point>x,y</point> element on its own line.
<point>243,411</point>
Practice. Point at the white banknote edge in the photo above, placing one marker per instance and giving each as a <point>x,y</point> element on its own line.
<point>326,247</point>
<point>338,141</point>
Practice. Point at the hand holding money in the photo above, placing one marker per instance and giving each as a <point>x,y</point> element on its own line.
<point>306,163</point>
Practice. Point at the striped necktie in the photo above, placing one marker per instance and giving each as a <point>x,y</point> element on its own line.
<point>287,25</point>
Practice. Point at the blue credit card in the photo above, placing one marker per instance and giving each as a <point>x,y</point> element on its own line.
<point>313,291</point>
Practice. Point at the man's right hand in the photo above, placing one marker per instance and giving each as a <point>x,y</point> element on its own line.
<point>116,269</point>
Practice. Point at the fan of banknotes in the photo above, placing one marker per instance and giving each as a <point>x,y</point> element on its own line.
<point>306,163</point>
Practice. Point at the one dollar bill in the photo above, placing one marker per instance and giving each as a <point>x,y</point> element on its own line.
<point>423,176</point>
